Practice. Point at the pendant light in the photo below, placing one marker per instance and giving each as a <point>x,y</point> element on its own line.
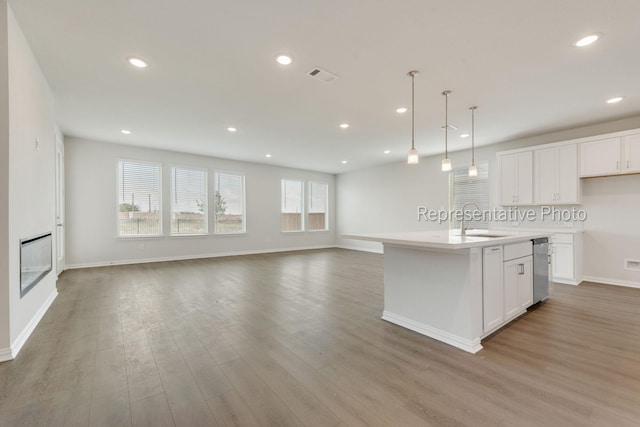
<point>446,163</point>
<point>413,158</point>
<point>473,169</point>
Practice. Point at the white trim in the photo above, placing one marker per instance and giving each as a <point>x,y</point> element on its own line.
<point>12,352</point>
<point>614,282</point>
<point>566,281</point>
<point>196,256</point>
<point>360,248</point>
<point>470,346</point>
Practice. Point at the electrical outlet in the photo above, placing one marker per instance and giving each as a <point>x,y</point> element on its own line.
<point>632,264</point>
<point>568,224</point>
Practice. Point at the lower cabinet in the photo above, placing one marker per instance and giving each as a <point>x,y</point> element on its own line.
<point>566,258</point>
<point>507,283</point>
<point>518,286</point>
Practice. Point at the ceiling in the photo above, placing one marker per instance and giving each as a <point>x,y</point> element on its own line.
<point>212,66</point>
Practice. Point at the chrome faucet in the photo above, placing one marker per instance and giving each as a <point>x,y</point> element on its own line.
<point>463,230</point>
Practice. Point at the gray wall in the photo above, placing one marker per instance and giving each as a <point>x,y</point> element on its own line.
<point>92,197</point>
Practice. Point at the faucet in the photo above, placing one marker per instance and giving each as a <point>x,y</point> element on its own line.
<point>463,230</point>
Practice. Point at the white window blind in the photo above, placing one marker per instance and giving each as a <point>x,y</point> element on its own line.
<point>318,201</point>
<point>229,201</point>
<point>463,189</point>
<point>291,217</point>
<point>139,201</point>
<point>188,201</point>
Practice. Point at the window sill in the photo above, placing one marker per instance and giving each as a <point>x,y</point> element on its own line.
<point>189,235</point>
<point>140,237</point>
<point>238,234</point>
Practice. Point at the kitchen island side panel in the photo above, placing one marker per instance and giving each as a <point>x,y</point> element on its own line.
<point>435,292</point>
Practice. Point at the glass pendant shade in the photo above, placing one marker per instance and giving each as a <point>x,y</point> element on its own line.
<point>446,164</point>
<point>413,158</point>
<point>473,170</point>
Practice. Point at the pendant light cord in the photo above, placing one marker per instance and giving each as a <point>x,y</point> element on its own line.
<point>473,135</point>
<point>413,73</point>
<point>446,125</point>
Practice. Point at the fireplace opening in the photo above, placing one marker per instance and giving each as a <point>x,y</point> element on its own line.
<point>35,261</point>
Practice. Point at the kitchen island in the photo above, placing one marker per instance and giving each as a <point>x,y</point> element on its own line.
<point>455,289</point>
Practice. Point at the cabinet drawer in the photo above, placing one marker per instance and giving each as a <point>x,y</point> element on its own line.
<point>562,238</point>
<point>517,250</point>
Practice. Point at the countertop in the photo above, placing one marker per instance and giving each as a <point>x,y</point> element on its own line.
<point>449,239</point>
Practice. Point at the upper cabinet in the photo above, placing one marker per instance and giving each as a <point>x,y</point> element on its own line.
<point>516,178</point>
<point>611,156</point>
<point>555,175</point>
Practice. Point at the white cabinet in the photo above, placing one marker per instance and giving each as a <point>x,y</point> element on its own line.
<point>612,156</point>
<point>555,175</point>
<point>518,286</point>
<point>516,178</point>
<point>631,151</point>
<point>566,258</point>
<point>507,283</point>
<point>492,288</point>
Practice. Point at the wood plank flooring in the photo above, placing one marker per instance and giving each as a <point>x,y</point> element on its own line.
<point>296,339</point>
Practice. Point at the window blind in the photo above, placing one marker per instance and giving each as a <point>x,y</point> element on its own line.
<point>292,205</point>
<point>188,201</point>
<point>318,201</point>
<point>139,201</point>
<point>229,203</point>
<point>463,189</point>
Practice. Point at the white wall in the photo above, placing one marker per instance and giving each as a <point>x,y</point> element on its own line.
<point>5,336</point>
<point>385,199</point>
<point>92,197</point>
<point>31,179</point>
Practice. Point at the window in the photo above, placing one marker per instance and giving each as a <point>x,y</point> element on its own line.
<point>229,203</point>
<point>464,189</point>
<point>318,201</point>
<point>139,201</point>
<point>188,201</point>
<point>291,218</point>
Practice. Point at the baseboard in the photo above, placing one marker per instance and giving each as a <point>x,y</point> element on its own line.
<point>361,249</point>
<point>614,282</point>
<point>470,346</point>
<point>11,353</point>
<point>567,282</point>
<point>196,256</point>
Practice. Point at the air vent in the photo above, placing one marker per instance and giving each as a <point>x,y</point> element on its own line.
<point>322,75</point>
<point>632,264</point>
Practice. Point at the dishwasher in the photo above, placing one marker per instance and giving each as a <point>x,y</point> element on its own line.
<point>541,261</point>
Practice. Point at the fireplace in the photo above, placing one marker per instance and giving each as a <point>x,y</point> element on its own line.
<point>35,261</point>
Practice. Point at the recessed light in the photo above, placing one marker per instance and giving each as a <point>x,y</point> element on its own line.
<point>137,62</point>
<point>125,131</point>
<point>614,100</point>
<point>344,162</point>
<point>284,59</point>
<point>586,41</point>
<point>344,125</point>
<point>386,151</point>
<point>464,135</point>
<point>401,110</point>
<point>231,129</point>
<point>268,155</point>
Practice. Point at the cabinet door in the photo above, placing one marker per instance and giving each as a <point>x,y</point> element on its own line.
<point>567,174</point>
<point>511,300</point>
<point>492,288</point>
<point>525,282</point>
<point>562,261</point>
<point>599,158</point>
<point>525,179</point>
<point>546,175</point>
<point>508,179</point>
<point>632,153</point>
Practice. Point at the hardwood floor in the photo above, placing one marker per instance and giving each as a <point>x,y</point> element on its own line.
<point>296,339</point>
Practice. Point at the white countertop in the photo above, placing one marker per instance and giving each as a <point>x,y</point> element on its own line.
<point>449,239</point>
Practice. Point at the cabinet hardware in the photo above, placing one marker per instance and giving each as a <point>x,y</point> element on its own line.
<point>520,269</point>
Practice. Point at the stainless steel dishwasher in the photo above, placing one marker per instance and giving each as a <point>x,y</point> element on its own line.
<point>541,262</point>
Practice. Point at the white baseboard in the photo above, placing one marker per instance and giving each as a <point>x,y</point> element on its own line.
<point>607,281</point>
<point>470,346</point>
<point>361,249</point>
<point>188,257</point>
<point>11,353</point>
<point>567,281</point>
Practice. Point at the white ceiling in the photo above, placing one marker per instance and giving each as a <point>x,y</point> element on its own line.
<point>212,66</point>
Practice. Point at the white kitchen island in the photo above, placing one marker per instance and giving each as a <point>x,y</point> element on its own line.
<point>433,282</point>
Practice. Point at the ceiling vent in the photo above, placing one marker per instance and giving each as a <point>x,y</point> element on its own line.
<point>322,75</point>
